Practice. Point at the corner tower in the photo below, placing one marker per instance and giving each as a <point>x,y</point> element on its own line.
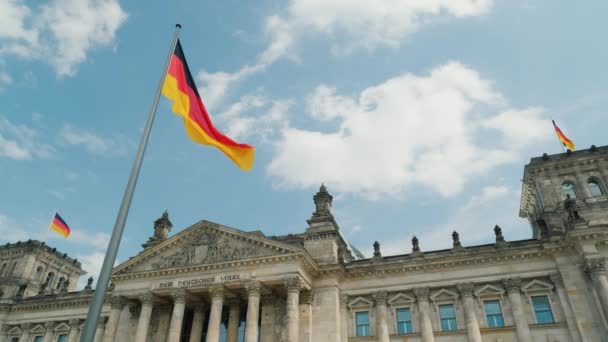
<point>566,191</point>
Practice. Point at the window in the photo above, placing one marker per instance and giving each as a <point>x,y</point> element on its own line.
<point>568,189</point>
<point>62,338</point>
<point>542,309</point>
<point>404,321</point>
<point>38,339</point>
<point>38,273</point>
<point>448,317</point>
<point>362,319</point>
<point>594,187</point>
<point>60,283</point>
<point>14,339</point>
<point>49,278</point>
<point>493,313</point>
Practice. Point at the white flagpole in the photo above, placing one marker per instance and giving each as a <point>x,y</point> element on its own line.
<point>96,303</point>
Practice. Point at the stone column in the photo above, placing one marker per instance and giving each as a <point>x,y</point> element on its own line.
<point>215,316</point>
<point>344,318</point>
<point>596,268</point>
<point>381,324</point>
<point>234,320</point>
<point>101,328</point>
<point>4,333</point>
<point>512,285</point>
<point>177,317</point>
<point>466,295</point>
<point>305,316</point>
<point>424,311</point>
<point>25,332</point>
<point>74,329</point>
<point>558,282</point>
<point>143,323</point>
<point>582,185</point>
<point>49,332</point>
<point>116,304</point>
<point>253,311</point>
<point>293,286</point>
<point>197,323</point>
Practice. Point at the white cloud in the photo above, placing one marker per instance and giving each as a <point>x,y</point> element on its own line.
<point>9,232</point>
<point>488,193</point>
<point>422,130</point>
<point>520,126</point>
<point>60,32</point>
<point>92,264</point>
<point>21,142</point>
<point>215,84</point>
<point>93,143</point>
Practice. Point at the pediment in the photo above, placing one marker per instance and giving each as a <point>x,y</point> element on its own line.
<point>489,290</point>
<point>38,329</point>
<point>62,327</point>
<point>205,243</point>
<point>15,331</point>
<point>400,298</point>
<point>360,302</point>
<point>444,295</point>
<point>537,286</point>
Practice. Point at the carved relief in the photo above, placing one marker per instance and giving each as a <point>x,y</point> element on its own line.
<point>202,247</point>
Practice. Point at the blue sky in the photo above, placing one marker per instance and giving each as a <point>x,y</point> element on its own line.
<point>417,115</point>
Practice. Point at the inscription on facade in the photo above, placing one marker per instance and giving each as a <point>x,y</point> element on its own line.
<point>204,281</point>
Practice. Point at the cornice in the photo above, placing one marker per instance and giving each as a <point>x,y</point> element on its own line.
<point>50,304</point>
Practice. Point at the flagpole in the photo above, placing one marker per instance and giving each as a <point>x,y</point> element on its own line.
<point>96,303</point>
<point>560,142</point>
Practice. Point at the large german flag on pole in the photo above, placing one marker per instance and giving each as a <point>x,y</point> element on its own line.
<point>179,87</point>
<point>567,143</point>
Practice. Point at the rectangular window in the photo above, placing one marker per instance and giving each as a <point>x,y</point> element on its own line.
<point>362,319</point>
<point>14,339</point>
<point>62,338</point>
<point>542,309</point>
<point>448,317</point>
<point>404,321</point>
<point>493,314</point>
<point>38,339</point>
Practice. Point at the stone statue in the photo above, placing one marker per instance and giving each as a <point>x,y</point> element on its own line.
<point>571,208</point>
<point>89,285</point>
<point>42,289</point>
<point>498,233</point>
<point>377,253</point>
<point>456,240</point>
<point>162,227</point>
<point>415,246</point>
<point>323,201</point>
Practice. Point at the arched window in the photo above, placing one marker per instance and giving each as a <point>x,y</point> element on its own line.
<point>38,273</point>
<point>568,189</point>
<point>60,283</point>
<point>49,278</point>
<point>594,187</point>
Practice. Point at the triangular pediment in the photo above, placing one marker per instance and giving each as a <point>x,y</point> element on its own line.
<point>401,298</point>
<point>444,295</point>
<point>360,302</point>
<point>537,285</point>
<point>489,290</point>
<point>205,243</point>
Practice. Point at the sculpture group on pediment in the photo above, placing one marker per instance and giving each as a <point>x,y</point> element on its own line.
<point>203,247</point>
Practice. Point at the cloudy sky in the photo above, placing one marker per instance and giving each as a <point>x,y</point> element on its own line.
<point>418,115</point>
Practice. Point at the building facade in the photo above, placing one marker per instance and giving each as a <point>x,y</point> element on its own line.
<point>214,283</point>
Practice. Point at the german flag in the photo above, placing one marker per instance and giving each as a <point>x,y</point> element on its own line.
<point>179,87</point>
<point>565,141</point>
<point>59,226</point>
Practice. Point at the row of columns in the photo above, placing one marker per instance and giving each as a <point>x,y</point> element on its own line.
<point>217,293</point>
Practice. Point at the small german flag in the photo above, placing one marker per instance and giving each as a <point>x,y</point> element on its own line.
<point>179,87</point>
<point>59,226</point>
<point>564,140</point>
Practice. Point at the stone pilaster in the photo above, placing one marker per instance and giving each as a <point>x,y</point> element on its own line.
<point>253,310</point>
<point>196,332</point>
<point>25,332</point>
<point>306,297</point>
<point>49,331</point>
<point>177,317</point>
<point>116,305</point>
<point>513,286</point>
<point>344,318</point>
<point>74,330</point>
<point>558,282</point>
<point>381,320</point>
<point>215,316</point>
<point>267,319</point>
<point>424,311</point>
<point>4,332</point>
<point>293,286</point>
<point>234,315</point>
<point>596,268</point>
<point>466,295</point>
<point>147,301</point>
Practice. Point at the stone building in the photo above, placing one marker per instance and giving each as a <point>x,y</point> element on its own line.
<point>211,282</point>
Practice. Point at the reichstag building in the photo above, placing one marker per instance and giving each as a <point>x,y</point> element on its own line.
<point>214,283</point>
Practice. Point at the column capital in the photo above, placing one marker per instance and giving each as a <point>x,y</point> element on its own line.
<point>49,325</point>
<point>556,279</point>
<point>512,284</point>
<point>306,297</point>
<point>25,327</point>
<point>293,284</point>
<point>74,323</point>
<point>380,297</point>
<point>422,293</point>
<point>117,302</point>
<point>344,300</point>
<point>217,292</point>
<point>595,266</point>
<point>179,296</point>
<point>253,288</point>
<point>148,298</point>
<point>465,289</point>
